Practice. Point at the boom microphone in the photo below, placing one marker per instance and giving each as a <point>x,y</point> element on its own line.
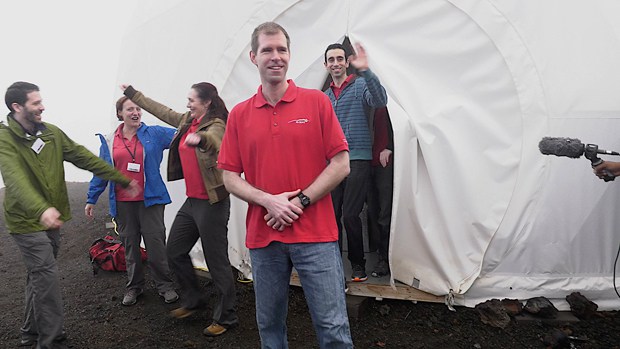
<point>573,148</point>
<point>569,147</point>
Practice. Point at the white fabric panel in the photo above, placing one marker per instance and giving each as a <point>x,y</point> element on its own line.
<point>571,243</point>
<point>459,97</point>
<point>473,86</point>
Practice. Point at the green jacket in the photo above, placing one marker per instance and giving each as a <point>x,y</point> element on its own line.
<point>211,131</point>
<point>35,182</point>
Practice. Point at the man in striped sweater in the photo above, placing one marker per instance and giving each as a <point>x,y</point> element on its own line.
<point>353,97</point>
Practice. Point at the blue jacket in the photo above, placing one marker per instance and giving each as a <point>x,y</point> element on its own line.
<point>352,109</point>
<point>154,140</point>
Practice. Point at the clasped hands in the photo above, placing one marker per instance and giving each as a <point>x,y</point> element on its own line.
<point>283,209</point>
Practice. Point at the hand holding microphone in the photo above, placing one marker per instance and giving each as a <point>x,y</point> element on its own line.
<point>573,148</point>
<point>607,168</point>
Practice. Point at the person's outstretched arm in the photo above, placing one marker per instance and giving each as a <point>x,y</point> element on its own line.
<point>155,108</point>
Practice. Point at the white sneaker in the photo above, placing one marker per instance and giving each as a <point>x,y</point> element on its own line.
<point>131,297</point>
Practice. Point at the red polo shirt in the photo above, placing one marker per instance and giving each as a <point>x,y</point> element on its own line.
<point>125,151</point>
<point>284,148</point>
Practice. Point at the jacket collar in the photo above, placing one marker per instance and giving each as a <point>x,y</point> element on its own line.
<point>18,130</point>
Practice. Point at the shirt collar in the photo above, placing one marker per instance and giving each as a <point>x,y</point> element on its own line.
<point>345,83</point>
<point>289,95</point>
<point>197,121</point>
<point>119,130</point>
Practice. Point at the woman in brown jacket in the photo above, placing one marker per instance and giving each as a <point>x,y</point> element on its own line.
<point>193,156</point>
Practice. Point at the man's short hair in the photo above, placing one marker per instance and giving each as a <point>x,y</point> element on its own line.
<point>18,93</point>
<point>335,47</point>
<point>268,28</point>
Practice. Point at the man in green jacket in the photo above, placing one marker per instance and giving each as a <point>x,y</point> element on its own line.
<point>36,203</point>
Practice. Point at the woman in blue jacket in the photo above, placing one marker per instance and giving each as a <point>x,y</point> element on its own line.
<point>136,150</point>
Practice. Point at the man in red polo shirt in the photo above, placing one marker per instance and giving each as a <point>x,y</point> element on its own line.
<point>291,148</point>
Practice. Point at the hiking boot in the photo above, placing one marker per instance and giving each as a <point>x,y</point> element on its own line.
<point>216,329</point>
<point>131,297</point>
<point>170,296</point>
<point>182,312</point>
<point>359,273</point>
<point>381,269</point>
<point>185,311</point>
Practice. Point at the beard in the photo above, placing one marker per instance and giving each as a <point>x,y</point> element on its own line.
<point>32,117</point>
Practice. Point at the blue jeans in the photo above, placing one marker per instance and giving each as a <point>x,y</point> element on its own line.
<point>319,267</point>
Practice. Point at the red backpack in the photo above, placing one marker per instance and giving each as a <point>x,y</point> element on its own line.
<point>107,253</point>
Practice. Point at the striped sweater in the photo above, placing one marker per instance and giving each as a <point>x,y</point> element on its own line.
<point>352,108</point>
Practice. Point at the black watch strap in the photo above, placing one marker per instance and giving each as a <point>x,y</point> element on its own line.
<point>305,201</point>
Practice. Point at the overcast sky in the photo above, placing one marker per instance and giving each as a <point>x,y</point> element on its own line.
<point>71,49</point>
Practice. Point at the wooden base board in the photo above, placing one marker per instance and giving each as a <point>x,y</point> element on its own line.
<point>378,289</point>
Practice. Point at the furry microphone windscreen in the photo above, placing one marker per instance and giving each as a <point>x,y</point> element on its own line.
<point>561,146</point>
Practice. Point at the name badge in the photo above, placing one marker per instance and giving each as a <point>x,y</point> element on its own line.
<point>133,167</point>
<point>38,145</point>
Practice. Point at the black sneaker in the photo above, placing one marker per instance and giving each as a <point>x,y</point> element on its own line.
<point>27,342</point>
<point>381,269</point>
<point>359,273</point>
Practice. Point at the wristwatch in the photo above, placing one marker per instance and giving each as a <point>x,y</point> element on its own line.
<point>305,201</point>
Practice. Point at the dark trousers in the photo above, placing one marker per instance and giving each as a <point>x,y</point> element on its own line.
<point>43,313</point>
<point>137,222</point>
<point>379,212</point>
<point>348,199</point>
<point>199,218</point>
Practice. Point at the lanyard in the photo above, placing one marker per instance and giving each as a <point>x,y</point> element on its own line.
<point>133,155</point>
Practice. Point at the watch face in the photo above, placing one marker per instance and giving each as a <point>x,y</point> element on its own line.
<point>305,201</point>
